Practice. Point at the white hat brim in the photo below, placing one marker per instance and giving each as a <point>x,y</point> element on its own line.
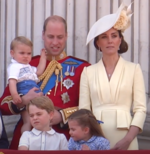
<point>104,24</point>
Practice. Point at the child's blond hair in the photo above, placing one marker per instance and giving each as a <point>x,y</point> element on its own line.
<point>20,39</point>
<point>42,102</point>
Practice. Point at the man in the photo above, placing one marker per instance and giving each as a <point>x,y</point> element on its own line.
<point>60,81</point>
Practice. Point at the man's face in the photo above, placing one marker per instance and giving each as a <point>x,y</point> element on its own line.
<point>54,38</point>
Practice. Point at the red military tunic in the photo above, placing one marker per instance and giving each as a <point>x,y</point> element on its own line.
<point>68,97</point>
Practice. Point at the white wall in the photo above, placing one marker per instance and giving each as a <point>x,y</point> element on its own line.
<point>26,17</point>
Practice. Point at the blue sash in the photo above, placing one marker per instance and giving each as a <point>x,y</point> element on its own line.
<point>51,83</point>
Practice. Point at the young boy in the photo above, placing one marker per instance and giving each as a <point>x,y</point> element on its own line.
<point>21,75</point>
<point>42,136</point>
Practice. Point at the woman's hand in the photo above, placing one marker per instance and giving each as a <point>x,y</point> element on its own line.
<point>125,142</point>
<point>122,144</point>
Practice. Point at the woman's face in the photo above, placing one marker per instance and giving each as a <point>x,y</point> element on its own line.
<point>109,41</point>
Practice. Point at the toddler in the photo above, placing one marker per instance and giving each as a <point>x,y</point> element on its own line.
<point>21,75</point>
<point>42,136</point>
<point>85,132</point>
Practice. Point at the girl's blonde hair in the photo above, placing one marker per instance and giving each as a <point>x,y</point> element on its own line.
<point>42,102</point>
<point>85,118</point>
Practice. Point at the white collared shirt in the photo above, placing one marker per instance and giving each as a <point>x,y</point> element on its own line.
<point>38,140</point>
<point>21,72</point>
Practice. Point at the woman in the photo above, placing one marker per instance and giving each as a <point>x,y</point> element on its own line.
<point>111,87</point>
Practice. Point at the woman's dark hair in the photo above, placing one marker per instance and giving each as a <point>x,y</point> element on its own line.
<point>85,118</point>
<point>123,46</point>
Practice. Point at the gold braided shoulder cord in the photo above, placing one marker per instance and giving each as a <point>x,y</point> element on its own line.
<point>48,73</point>
<point>56,84</point>
<point>61,75</point>
<point>47,69</point>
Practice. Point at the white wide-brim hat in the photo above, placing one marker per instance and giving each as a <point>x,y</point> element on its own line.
<point>119,20</point>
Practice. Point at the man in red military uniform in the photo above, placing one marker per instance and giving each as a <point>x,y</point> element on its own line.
<point>60,81</point>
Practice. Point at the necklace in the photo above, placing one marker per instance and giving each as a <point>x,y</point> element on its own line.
<point>109,75</point>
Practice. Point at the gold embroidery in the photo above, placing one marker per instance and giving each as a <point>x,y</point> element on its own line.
<point>71,63</point>
<point>68,111</point>
<point>58,57</point>
<point>49,71</point>
<point>6,100</point>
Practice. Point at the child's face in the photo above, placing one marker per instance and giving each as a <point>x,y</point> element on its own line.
<point>22,53</point>
<point>78,132</point>
<point>40,118</point>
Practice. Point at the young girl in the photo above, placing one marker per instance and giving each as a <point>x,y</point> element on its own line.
<point>42,136</point>
<point>85,132</point>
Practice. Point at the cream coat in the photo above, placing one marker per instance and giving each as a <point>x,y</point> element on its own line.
<point>124,91</point>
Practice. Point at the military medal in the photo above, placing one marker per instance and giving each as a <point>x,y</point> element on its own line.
<point>68,83</point>
<point>72,71</point>
<point>65,97</point>
<point>67,72</point>
<point>49,92</point>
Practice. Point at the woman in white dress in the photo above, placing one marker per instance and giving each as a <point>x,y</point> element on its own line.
<point>114,86</point>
